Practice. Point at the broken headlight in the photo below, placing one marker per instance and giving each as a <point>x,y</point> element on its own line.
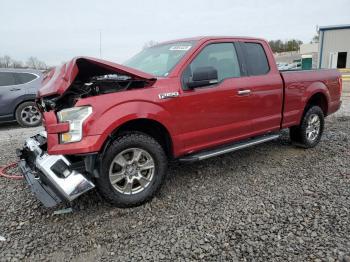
<point>76,117</point>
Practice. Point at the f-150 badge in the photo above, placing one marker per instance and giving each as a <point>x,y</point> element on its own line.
<point>168,95</point>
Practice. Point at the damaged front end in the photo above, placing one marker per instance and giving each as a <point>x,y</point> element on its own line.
<point>59,165</point>
<point>83,77</point>
<point>52,178</point>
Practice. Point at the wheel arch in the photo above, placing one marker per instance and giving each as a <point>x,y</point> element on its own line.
<point>317,99</point>
<point>151,127</point>
<point>317,94</point>
<point>20,101</point>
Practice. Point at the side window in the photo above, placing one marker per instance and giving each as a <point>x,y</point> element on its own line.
<point>222,57</point>
<point>7,79</point>
<point>22,78</point>
<point>256,59</point>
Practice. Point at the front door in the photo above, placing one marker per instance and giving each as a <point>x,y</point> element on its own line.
<point>219,113</point>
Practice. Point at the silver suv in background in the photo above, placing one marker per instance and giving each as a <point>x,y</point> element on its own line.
<point>18,89</point>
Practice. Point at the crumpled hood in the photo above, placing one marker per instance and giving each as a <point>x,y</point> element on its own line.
<point>58,80</point>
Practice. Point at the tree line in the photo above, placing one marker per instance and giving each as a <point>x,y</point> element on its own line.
<point>32,62</point>
<point>278,46</point>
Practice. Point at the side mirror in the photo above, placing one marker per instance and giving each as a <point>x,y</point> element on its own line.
<point>203,76</point>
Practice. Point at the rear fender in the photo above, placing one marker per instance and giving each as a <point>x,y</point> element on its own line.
<point>314,88</point>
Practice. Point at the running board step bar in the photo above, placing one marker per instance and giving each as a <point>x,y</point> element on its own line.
<point>228,148</point>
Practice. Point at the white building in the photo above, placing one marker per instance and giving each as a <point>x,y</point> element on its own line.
<point>310,51</point>
<point>334,50</point>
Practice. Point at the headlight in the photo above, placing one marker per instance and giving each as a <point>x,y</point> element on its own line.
<point>76,117</point>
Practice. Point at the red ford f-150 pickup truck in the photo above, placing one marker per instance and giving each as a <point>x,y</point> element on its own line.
<point>115,127</point>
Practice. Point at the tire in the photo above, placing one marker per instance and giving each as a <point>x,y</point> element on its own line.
<point>28,115</point>
<point>308,134</point>
<point>130,157</point>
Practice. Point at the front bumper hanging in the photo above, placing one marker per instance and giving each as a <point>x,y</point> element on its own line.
<point>50,177</point>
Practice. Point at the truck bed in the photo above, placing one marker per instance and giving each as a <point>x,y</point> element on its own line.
<point>300,84</point>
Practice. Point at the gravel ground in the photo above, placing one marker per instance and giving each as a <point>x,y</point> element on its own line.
<point>270,202</point>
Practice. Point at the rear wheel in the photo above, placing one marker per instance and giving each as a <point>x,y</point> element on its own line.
<point>28,115</point>
<point>308,134</point>
<point>133,170</point>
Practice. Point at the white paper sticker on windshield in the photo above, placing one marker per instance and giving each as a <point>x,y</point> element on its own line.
<point>180,48</point>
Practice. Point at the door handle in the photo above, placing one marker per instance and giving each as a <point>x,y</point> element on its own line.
<point>15,89</point>
<point>244,92</point>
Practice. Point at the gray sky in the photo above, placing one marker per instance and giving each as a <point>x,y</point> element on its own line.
<point>56,31</point>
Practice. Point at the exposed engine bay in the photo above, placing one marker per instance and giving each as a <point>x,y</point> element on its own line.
<point>94,86</point>
<point>91,80</point>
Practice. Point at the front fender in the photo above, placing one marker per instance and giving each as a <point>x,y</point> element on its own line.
<point>102,123</point>
<point>106,122</point>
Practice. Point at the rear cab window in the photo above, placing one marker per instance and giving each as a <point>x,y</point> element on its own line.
<point>255,59</point>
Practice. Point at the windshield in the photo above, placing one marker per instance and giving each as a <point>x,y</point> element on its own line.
<point>159,60</point>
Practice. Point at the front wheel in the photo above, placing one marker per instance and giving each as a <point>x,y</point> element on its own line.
<point>133,170</point>
<point>310,131</point>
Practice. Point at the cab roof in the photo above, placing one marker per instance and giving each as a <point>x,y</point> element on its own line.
<point>208,38</point>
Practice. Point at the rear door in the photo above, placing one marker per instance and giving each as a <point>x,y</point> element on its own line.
<point>264,87</point>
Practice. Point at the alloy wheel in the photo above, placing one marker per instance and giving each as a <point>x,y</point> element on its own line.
<point>132,171</point>
<point>313,127</point>
<point>30,115</point>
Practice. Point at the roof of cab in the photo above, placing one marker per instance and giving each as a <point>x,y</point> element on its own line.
<point>208,38</point>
